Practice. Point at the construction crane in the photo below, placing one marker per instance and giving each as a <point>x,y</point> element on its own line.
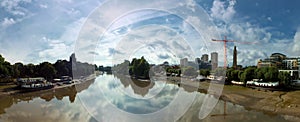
<point>225,50</point>
<point>225,64</point>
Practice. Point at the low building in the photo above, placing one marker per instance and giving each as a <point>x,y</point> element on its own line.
<point>293,73</point>
<point>204,65</point>
<point>290,64</point>
<point>283,63</point>
<point>266,63</point>
<point>275,60</point>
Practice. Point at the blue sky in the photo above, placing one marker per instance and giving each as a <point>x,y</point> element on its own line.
<point>32,31</point>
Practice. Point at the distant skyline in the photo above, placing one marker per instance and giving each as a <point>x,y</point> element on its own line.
<point>33,31</point>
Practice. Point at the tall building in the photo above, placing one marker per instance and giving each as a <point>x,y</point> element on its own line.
<point>204,58</point>
<point>73,65</point>
<point>73,59</point>
<point>183,62</point>
<point>214,60</point>
<point>200,64</point>
<point>234,65</point>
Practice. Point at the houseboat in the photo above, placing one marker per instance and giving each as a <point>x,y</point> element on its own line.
<point>33,84</point>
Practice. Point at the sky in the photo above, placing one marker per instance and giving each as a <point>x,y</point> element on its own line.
<point>108,32</point>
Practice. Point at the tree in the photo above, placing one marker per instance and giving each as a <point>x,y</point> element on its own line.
<point>235,75</point>
<point>271,75</point>
<point>259,72</point>
<point>5,68</point>
<point>96,67</point>
<point>47,70</point>
<point>220,72</point>
<point>205,72</point>
<point>3,71</point>
<point>16,71</point>
<point>190,71</point>
<point>240,75</point>
<point>284,79</point>
<point>139,68</point>
<point>62,67</point>
<point>30,70</point>
<point>247,75</point>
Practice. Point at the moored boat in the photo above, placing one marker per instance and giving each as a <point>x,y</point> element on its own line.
<point>34,84</point>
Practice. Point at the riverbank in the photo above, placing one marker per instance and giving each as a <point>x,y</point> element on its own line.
<point>271,102</point>
<point>11,90</point>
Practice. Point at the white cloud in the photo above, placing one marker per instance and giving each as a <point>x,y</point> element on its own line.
<point>16,9</point>
<point>246,32</point>
<point>222,11</point>
<point>64,1</point>
<point>250,57</point>
<point>63,47</point>
<point>73,12</point>
<point>261,43</point>
<point>58,49</point>
<point>7,22</point>
<point>296,44</point>
<point>13,6</point>
<point>54,110</point>
<point>151,41</point>
<point>117,100</point>
<point>269,18</point>
<point>43,5</point>
<point>30,22</point>
<point>191,4</point>
<point>252,41</point>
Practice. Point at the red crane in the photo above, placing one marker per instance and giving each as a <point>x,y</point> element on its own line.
<point>225,50</point>
<point>225,63</point>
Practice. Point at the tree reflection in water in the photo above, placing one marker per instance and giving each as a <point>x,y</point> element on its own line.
<point>139,87</point>
<point>8,100</point>
<point>64,104</point>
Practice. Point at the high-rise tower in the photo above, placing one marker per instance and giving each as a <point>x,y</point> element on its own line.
<point>234,65</point>
<point>214,60</point>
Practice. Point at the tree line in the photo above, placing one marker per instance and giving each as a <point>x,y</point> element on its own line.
<point>266,74</point>
<point>138,68</point>
<point>47,70</point>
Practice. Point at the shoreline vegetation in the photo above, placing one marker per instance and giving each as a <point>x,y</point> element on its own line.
<point>279,100</point>
<point>267,101</point>
<point>12,90</point>
<point>282,98</point>
<point>59,92</point>
<point>19,78</point>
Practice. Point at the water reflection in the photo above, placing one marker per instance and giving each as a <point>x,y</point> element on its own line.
<point>47,105</point>
<point>130,94</point>
<point>109,98</point>
<point>134,100</point>
<point>140,88</point>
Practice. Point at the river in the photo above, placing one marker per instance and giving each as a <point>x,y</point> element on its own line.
<point>120,98</point>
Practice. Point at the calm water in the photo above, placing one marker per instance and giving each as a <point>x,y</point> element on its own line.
<point>119,98</point>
